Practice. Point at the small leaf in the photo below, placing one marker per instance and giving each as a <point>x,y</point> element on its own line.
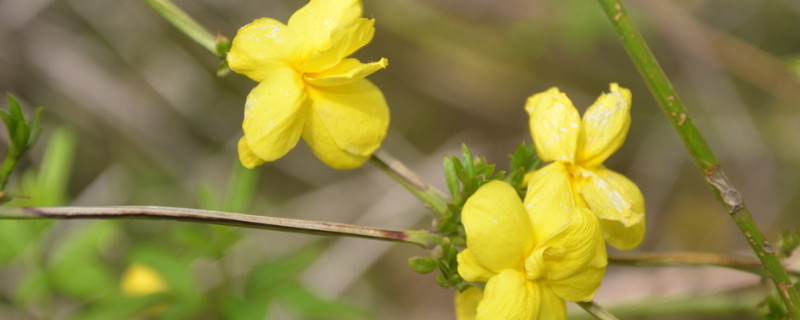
<point>422,265</point>
<point>467,160</point>
<point>442,281</point>
<point>451,175</point>
<point>789,241</point>
<point>35,127</point>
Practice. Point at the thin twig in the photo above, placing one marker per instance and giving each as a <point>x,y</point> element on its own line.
<point>704,158</point>
<point>647,259</point>
<point>429,195</point>
<point>423,238</point>
<point>597,310</point>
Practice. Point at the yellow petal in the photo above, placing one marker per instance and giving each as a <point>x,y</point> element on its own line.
<point>621,237</point>
<point>348,123</point>
<point>555,125</point>
<point>247,157</point>
<point>467,303</point>
<point>549,200</point>
<point>498,228</point>
<point>345,39</point>
<point>315,22</point>
<point>577,246</point>
<point>552,307</point>
<point>616,200</point>
<point>141,280</point>
<point>471,269</point>
<point>576,258</point>
<point>348,71</point>
<point>262,47</point>
<point>509,296</point>
<point>274,115</point>
<point>604,127</point>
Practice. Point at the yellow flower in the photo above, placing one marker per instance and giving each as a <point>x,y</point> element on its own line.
<point>308,87</point>
<point>581,146</point>
<point>141,280</point>
<point>532,256</point>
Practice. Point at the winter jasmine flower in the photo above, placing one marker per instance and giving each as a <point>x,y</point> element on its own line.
<point>534,256</point>
<point>309,87</point>
<point>580,146</point>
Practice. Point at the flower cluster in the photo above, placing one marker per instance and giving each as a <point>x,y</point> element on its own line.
<point>535,254</point>
<point>309,87</point>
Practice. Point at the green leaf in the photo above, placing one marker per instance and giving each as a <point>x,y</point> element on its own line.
<point>77,269</point>
<point>422,265</point>
<point>35,127</point>
<point>48,186</point>
<point>241,188</point>
<point>451,175</point>
<point>467,161</point>
<point>266,279</point>
<point>306,304</point>
<point>234,308</point>
<point>8,122</point>
<point>788,242</point>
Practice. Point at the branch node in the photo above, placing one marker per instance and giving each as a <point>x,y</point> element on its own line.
<point>717,178</point>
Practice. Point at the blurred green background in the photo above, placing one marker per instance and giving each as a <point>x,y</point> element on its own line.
<point>136,116</point>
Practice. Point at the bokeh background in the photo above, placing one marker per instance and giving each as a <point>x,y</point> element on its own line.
<point>135,115</point>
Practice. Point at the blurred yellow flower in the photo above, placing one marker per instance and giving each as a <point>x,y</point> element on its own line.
<point>308,87</point>
<point>532,256</point>
<point>581,146</point>
<point>467,303</point>
<point>141,280</point>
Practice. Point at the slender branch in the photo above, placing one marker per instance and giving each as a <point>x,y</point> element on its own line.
<point>185,24</point>
<point>727,305</point>
<point>597,310</point>
<point>429,195</point>
<point>691,259</point>
<point>704,158</point>
<point>422,238</point>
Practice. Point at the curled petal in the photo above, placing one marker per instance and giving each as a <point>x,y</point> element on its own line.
<point>315,22</point>
<point>498,228</point>
<point>615,200</point>
<point>274,115</point>
<point>262,47</point>
<point>348,123</point>
<point>247,157</point>
<point>549,200</point>
<point>576,259</point>
<point>555,125</point>
<point>604,127</point>
<point>344,40</point>
<point>510,296</point>
<point>621,237</point>
<point>467,303</point>
<point>346,72</point>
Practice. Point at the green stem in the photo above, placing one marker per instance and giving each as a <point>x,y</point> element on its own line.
<point>728,305</point>
<point>597,310</point>
<point>704,158</point>
<point>429,195</point>
<point>186,24</point>
<point>645,259</point>
<point>422,238</point>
